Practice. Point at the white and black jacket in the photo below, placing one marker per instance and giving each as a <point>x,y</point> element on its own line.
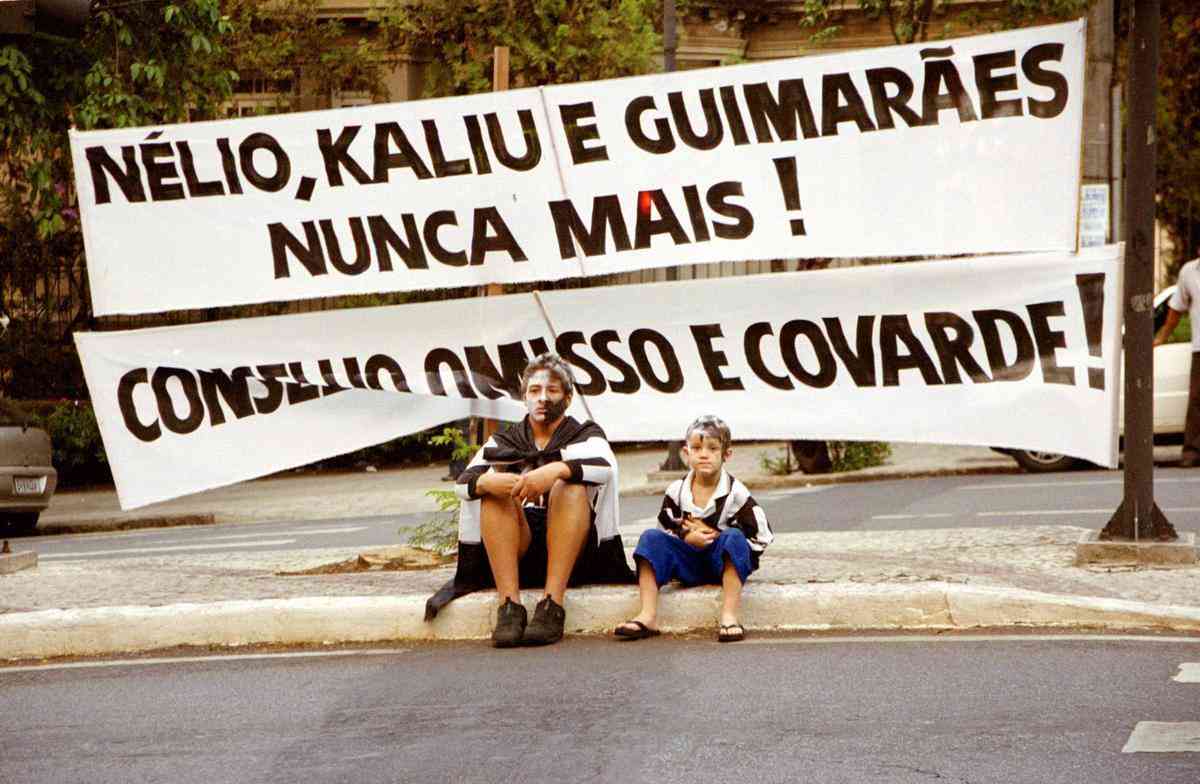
<point>731,506</point>
<point>585,450</point>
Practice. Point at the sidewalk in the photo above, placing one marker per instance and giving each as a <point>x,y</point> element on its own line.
<point>934,579</point>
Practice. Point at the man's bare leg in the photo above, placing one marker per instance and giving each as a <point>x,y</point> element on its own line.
<point>506,537</point>
<point>566,531</point>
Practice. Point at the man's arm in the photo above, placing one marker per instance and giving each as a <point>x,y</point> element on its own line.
<point>1168,326</point>
<point>478,479</point>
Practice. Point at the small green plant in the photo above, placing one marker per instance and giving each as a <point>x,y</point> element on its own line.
<point>461,449</point>
<point>778,466</point>
<point>853,455</point>
<point>439,532</point>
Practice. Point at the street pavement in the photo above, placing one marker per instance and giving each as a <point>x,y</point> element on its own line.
<point>1018,572</point>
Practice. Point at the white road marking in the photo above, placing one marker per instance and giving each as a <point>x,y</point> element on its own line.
<point>909,638</point>
<point>1189,672</point>
<point>171,549</point>
<point>232,657</point>
<point>912,516</point>
<point>1081,483</point>
<point>294,532</point>
<point>795,491</point>
<point>1164,736</point>
<point>1030,512</point>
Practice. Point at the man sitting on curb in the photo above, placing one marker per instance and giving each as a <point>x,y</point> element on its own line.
<point>540,501</point>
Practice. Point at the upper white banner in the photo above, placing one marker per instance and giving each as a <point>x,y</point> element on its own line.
<point>962,146</point>
<point>1020,351</point>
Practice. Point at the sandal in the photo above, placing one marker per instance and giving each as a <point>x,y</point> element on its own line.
<point>733,632</point>
<point>623,632</point>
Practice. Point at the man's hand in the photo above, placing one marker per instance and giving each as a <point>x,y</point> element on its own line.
<point>538,482</point>
<point>497,484</point>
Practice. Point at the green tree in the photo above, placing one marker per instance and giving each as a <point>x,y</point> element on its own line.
<point>1178,175</point>
<point>550,41</point>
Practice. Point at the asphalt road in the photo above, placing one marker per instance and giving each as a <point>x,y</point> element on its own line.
<point>1078,498</point>
<point>870,709</point>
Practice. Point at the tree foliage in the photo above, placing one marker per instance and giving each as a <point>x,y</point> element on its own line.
<point>1178,126</point>
<point>550,41</point>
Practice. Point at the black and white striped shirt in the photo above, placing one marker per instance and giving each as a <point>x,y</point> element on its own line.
<point>731,506</point>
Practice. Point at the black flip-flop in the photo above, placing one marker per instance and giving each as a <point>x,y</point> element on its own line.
<point>733,632</point>
<point>640,633</point>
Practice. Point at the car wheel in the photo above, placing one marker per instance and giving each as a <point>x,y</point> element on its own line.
<point>15,524</point>
<point>1043,462</point>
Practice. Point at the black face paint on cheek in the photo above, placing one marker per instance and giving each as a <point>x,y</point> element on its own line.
<point>556,408</point>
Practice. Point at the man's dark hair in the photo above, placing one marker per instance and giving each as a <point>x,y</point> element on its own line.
<point>552,363</point>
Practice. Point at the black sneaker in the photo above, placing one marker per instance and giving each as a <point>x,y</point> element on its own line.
<point>510,624</point>
<point>547,625</point>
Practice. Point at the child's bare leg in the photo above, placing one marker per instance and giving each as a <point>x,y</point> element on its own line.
<point>648,591</point>
<point>731,594</point>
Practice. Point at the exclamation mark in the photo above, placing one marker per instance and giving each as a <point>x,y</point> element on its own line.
<point>786,169</point>
<point>1091,297</point>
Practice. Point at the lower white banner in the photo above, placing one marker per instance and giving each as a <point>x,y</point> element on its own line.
<point>1019,351</point>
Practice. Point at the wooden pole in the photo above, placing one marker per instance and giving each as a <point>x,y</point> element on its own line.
<point>500,74</point>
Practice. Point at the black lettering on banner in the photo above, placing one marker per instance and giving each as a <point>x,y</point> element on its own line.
<point>768,113</point>
<point>158,161</point>
<point>712,358</point>
<point>826,372</point>
<point>333,248</point>
<point>579,135</point>
<point>437,156</point>
<point>606,219</point>
<point>434,222</point>
<point>743,220</point>
<point>1047,339</point>
<point>663,143</point>
<point>733,116</point>
<point>300,390</point>
<point>691,195</point>
<point>629,382</point>
<point>354,372</point>
<point>336,155</point>
<point>493,383</point>
<point>405,157</point>
<point>434,361</point>
<point>478,149</point>
<point>533,146</point>
<point>565,346</point>
<point>667,223</point>
<point>307,251</point>
<point>1002,369</point>
<point>885,104</point>
<point>128,179</point>
<point>196,187</point>
<point>714,131</point>
<point>229,166</point>
<point>990,84</point>
<point>382,363</point>
<point>140,430</point>
<point>385,239</point>
<point>934,99</point>
<point>954,352</point>
<point>860,361</point>
<point>283,166</point>
<point>539,346</point>
<point>638,340</point>
<point>894,330</point>
<point>273,397</point>
<point>233,388</point>
<point>329,382</point>
<point>491,233</point>
<point>834,88</point>
<point>194,414</point>
<point>1031,65</point>
<point>752,346</point>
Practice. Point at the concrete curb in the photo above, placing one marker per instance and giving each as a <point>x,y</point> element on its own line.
<point>119,522</point>
<point>826,607</point>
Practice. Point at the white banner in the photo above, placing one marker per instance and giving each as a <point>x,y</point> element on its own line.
<point>962,146</point>
<point>1018,351</point>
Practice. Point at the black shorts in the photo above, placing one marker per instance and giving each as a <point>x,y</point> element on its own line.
<point>532,566</point>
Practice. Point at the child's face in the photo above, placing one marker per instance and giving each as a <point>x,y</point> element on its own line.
<point>705,455</point>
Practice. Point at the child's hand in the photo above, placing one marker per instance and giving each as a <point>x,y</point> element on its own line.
<point>698,536</point>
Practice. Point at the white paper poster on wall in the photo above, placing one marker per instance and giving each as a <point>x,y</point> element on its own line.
<point>1018,351</point>
<point>963,146</point>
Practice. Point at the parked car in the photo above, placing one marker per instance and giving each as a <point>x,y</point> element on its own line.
<point>27,478</point>
<point>1172,365</point>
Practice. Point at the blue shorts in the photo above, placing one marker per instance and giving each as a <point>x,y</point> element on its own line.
<point>671,558</point>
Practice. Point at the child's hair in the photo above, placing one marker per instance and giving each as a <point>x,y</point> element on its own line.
<point>553,364</point>
<point>709,426</point>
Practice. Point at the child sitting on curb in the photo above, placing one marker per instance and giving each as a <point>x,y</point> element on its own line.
<point>711,532</point>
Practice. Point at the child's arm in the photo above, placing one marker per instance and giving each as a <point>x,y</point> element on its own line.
<point>670,516</point>
<point>752,521</point>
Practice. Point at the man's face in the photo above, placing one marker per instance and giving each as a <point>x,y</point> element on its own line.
<point>545,399</point>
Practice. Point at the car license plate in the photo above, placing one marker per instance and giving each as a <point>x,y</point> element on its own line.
<point>29,485</point>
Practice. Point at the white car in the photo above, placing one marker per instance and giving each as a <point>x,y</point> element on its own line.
<point>1172,366</point>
